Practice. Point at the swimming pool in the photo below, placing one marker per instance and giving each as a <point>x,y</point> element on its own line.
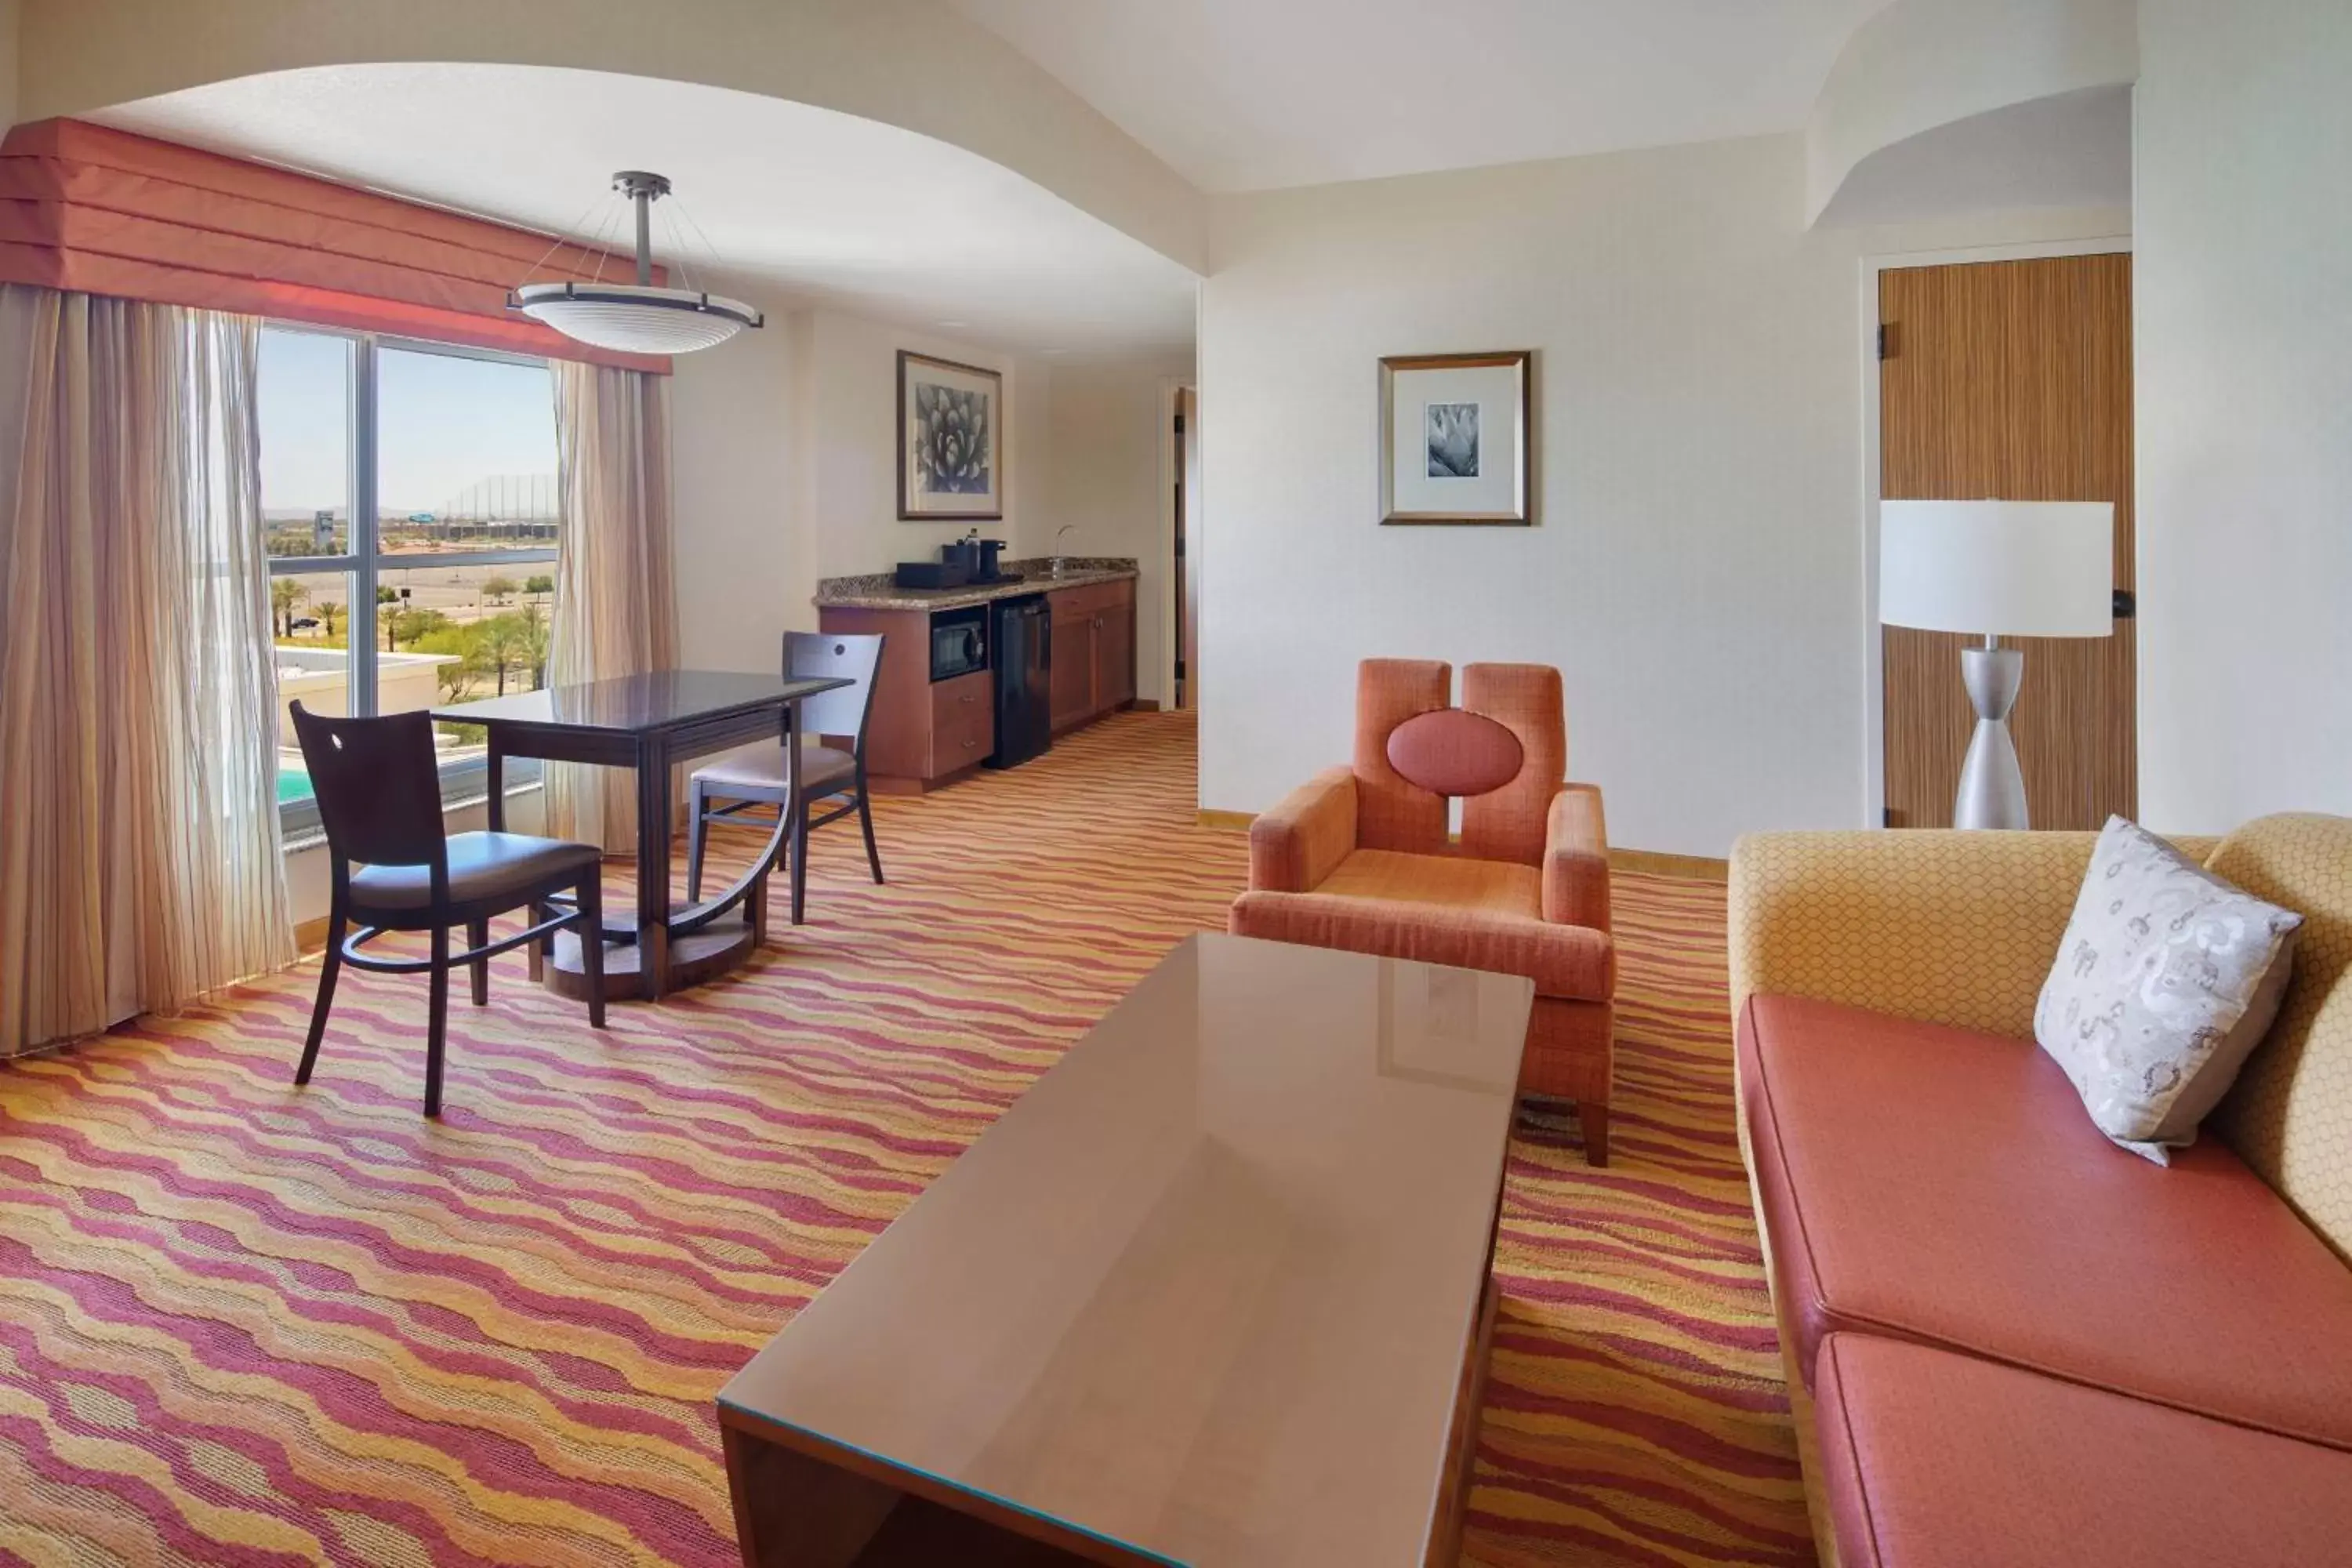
<point>293,783</point>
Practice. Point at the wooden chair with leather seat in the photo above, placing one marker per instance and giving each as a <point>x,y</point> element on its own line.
<point>732,789</point>
<point>379,789</point>
<point>1361,858</point>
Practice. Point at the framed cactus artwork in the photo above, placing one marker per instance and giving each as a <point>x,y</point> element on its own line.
<point>950,440</point>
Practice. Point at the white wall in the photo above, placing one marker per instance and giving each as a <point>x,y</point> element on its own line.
<point>2243,341</point>
<point>1112,486</point>
<point>744,547</point>
<point>1697,570</point>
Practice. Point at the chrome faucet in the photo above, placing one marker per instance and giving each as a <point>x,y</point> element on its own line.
<point>1060,563</point>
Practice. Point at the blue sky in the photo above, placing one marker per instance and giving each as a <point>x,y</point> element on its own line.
<point>445,422</point>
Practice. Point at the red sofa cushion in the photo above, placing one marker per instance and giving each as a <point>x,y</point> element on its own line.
<point>1936,1461</point>
<point>1943,1186</point>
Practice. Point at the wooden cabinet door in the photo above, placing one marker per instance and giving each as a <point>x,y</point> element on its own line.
<point>2011,379</point>
<point>1113,656</point>
<point>1073,676</point>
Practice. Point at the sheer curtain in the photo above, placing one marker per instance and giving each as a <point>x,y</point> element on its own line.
<point>615,604</point>
<point>138,843</point>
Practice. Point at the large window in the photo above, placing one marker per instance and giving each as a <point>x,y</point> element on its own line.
<point>408,493</point>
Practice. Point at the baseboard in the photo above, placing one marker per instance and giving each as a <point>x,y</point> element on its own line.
<point>310,936</point>
<point>1227,821</point>
<point>1690,868</point>
<point>1144,705</point>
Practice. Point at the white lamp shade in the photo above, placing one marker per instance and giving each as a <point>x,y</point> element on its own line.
<point>2004,568</point>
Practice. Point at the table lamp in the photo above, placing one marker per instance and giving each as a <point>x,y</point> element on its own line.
<point>2000,568</point>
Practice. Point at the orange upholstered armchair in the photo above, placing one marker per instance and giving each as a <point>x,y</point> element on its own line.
<point>1360,857</point>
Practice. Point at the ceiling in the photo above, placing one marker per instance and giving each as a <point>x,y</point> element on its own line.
<point>816,204</point>
<point>1241,95</point>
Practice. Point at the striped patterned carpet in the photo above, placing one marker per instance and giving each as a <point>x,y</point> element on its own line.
<point>243,1324</point>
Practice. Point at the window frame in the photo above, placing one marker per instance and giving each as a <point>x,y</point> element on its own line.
<point>363,560</point>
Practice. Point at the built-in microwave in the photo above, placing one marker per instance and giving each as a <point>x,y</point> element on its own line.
<point>958,642</point>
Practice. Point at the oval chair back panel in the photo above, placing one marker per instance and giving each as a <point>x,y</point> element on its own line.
<point>1503,752</point>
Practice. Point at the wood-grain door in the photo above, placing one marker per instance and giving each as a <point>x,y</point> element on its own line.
<point>2012,380</point>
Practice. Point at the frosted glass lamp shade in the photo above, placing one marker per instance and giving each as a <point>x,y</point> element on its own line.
<point>636,317</point>
<point>2000,568</point>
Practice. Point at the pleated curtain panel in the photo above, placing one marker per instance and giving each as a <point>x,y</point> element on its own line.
<point>140,864</point>
<point>140,854</point>
<point>615,604</point>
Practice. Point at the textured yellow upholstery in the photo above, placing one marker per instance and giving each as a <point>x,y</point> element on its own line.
<point>1961,929</point>
<point>1946,927</point>
<point>2290,1115</point>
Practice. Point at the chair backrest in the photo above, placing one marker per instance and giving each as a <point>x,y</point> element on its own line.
<point>378,786</point>
<point>1504,753</point>
<point>816,655</point>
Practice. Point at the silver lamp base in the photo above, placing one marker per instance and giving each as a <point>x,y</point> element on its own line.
<point>1992,787</point>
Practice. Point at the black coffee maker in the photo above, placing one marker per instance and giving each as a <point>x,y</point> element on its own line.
<point>977,556</point>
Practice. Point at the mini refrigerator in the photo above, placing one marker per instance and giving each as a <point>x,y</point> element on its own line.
<point>1023,658</point>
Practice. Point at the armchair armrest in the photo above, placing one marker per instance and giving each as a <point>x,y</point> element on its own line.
<point>1303,840</point>
<point>1576,859</point>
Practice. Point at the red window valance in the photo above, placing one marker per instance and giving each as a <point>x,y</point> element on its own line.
<point>104,212</point>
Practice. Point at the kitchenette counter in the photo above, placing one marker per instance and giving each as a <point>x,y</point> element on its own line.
<point>877,591</point>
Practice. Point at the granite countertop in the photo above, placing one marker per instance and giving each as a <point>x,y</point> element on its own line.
<point>875,591</point>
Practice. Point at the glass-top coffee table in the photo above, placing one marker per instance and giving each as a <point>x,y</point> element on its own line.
<point>1213,1291</point>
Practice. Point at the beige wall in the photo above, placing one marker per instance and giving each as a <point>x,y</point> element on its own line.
<point>1112,486</point>
<point>1697,574</point>
<point>2243,365</point>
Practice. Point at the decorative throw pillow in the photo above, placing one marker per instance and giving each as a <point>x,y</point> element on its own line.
<point>2168,978</point>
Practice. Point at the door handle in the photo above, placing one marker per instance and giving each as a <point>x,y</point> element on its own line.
<point>2127,605</point>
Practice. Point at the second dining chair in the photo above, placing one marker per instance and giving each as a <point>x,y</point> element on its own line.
<point>379,789</point>
<point>730,789</point>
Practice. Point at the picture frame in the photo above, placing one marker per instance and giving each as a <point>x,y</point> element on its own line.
<point>1456,438</point>
<point>950,440</point>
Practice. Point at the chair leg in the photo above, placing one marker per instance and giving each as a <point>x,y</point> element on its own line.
<point>865,821</point>
<point>591,927</point>
<point>337,925</point>
<point>697,804</point>
<point>478,936</point>
<point>537,951</point>
<point>1594,1120</point>
<point>800,815</point>
<point>437,1025</point>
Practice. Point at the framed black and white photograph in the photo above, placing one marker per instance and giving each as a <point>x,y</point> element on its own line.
<point>950,440</point>
<point>1454,438</point>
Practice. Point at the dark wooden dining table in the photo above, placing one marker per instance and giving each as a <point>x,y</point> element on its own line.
<point>648,723</point>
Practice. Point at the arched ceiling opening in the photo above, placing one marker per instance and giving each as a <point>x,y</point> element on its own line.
<point>920,65</point>
<point>798,203</point>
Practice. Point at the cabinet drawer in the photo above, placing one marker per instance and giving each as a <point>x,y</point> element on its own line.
<point>1092,599</point>
<point>963,722</point>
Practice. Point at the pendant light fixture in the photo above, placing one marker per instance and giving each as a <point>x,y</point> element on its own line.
<point>636,317</point>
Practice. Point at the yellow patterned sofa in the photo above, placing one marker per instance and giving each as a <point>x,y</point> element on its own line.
<point>2008,1340</point>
